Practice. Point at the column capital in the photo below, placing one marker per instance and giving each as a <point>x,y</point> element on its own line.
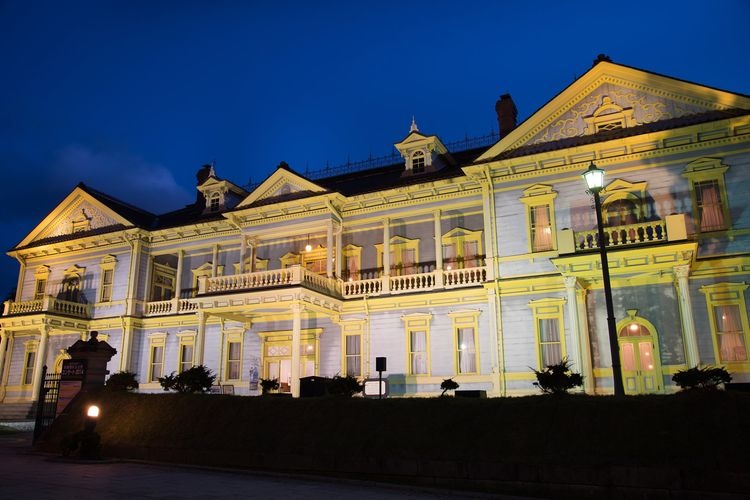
<point>682,271</point>
<point>570,281</point>
<point>297,307</point>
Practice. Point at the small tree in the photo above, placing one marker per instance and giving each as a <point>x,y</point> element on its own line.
<point>448,385</point>
<point>346,386</point>
<point>707,377</point>
<point>195,379</point>
<point>122,382</point>
<point>557,378</point>
<point>269,384</point>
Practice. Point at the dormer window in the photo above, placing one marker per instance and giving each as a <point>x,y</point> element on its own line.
<point>418,162</point>
<point>609,116</point>
<point>214,202</point>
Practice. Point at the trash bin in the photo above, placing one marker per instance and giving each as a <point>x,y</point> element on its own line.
<point>312,387</point>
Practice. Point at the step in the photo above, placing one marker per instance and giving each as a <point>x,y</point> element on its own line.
<point>17,411</point>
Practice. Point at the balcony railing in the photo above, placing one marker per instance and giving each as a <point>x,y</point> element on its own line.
<point>433,280</point>
<point>631,234</point>
<point>47,304</point>
<point>293,275</point>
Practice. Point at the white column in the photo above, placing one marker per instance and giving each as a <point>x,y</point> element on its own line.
<point>21,276</point>
<point>587,367</point>
<point>574,353</point>
<point>329,249</point>
<point>252,246</point>
<point>41,356</point>
<point>438,249</point>
<point>496,342</point>
<point>243,252</point>
<point>386,247</point>
<point>339,252</point>
<point>135,264</point>
<point>4,334</point>
<point>200,338</point>
<point>487,201</point>
<point>127,342</point>
<point>692,355</point>
<point>215,263</point>
<point>178,282</point>
<point>296,345</point>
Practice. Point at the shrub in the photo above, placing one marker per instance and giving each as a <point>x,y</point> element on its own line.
<point>707,377</point>
<point>346,386</point>
<point>448,385</point>
<point>558,378</point>
<point>195,379</point>
<point>122,382</point>
<point>268,384</point>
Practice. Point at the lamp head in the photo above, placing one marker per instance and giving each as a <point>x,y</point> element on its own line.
<point>92,411</point>
<point>594,178</point>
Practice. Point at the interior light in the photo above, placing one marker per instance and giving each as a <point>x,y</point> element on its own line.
<point>633,327</point>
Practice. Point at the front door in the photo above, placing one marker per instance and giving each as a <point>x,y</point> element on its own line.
<point>639,357</point>
<point>278,360</point>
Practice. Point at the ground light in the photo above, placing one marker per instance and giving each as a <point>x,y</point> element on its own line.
<point>594,178</point>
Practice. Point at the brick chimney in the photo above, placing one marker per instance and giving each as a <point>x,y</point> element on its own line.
<point>506,114</point>
<point>200,176</point>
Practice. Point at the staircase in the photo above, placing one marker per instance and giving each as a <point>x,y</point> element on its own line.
<point>17,412</point>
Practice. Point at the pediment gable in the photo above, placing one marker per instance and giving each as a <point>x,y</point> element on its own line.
<point>611,96</point>
<point>281,184</point>
<point>79,212</point>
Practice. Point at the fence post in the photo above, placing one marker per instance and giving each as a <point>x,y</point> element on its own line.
<point>40,405</point>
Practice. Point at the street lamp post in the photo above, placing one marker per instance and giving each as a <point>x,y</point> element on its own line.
<point>594,178</point>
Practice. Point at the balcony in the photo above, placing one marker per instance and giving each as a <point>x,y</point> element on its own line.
<point>672,228</point>
<point>47,304</point>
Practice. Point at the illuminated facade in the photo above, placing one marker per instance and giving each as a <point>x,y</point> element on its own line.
<point>475,265</point>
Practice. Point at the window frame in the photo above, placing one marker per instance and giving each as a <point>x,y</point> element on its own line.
<point>398,244</point>
<point>706,170</point>
<point>728,294</point>
<point>458,237</point>
<point>536,196</point>
<point>352,329</point>
<point>156,341</point>
<point>186,339</point>
<point>107,265</point>
<point>235,336</point>
<point>31,348</point>
<point>546,309</point>
<point>418,322</point>
<point>418,161</point>
<point>41,277</point>
<point>351,251</point>
<point>461,320</point>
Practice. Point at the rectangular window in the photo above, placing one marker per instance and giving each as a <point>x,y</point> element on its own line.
<point>106,288</point>
<point>234,353</point>
<point>467,350</point>
<point>729,333</point>
<point>354,355</point>
<point>550,346</point>
<point>541,228</point>
<point>40,288</point>
<point>710,205</point>
<point>157,363</point>
<point>28,367</point>
<point>186,357</point>
<point>418,352</point>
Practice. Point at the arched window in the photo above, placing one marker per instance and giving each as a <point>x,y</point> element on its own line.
<point>621,212</point>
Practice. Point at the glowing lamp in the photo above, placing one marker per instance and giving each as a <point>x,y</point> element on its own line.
<point>594,178</point>
<point>308,248</point>
<point>92,411</point>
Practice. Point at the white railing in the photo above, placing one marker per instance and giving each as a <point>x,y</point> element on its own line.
<point>362,288</point>
<point>249,281</point>
<point>173,306</point>
<point>435,280</point>
<point>631,234</point>
<point>48,304</point>
<point>412,282</point>
<point>456,278</point>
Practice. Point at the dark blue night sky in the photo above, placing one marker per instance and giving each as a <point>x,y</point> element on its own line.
<point>133,97</point>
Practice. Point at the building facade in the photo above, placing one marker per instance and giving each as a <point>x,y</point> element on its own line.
<point>477,264</point>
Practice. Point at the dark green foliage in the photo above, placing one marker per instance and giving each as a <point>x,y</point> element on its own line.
<point>122,382</point>
<point>269,384</point>
<point>558,378</point>
<point>346,386</point>
<point>707,377</point>
<point>448,385</point>
<point>195,379</point>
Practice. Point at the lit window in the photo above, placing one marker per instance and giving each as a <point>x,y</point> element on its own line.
<point>28,367</point>
<point>354,355</point>
<point>404,255</point>
<point>709,194</point>
<point>417,338</point>
<point>418,162</point>
<point>234,360</point>
<point>548,321</point>
<point>728,320</point>
<point>467,350</point>
<point>540,215</point>
<point>462,249</point>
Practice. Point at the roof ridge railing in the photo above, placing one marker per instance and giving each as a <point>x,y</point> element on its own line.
<point>381,161</point>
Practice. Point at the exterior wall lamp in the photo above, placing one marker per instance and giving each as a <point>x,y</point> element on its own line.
<point>594,178</point>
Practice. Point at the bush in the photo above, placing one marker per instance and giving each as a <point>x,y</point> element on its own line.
<point>346,386</point>
<point>269,384</point>
<point>122,382</point>
<point>707,377</point>
<point>448,385</point>
<point>558,378</point>
<point>195,379</point>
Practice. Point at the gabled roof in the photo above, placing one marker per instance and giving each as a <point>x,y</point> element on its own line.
<point>652,101</point>
<point>282,185</point>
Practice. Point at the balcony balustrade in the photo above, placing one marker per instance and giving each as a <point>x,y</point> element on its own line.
<point>47,304</point>
<point>631,234</point>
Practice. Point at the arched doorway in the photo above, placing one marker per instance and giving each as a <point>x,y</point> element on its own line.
<point>639,355</point>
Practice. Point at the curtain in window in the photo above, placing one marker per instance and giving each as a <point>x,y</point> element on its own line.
<point>449,256</point>
<point>549,336</point>
<point>471,250</point>
<point>418,352</point>
<point>542,229</point>
<point>351,266</point>
<point>353,360</point>
<point>233,361</point>
<point>711,213</point>
<point>729,332</point>
<point>467,352</point>
<point>407,261</point>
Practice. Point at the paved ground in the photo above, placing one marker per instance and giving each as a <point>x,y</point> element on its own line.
<point>28,475</point>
